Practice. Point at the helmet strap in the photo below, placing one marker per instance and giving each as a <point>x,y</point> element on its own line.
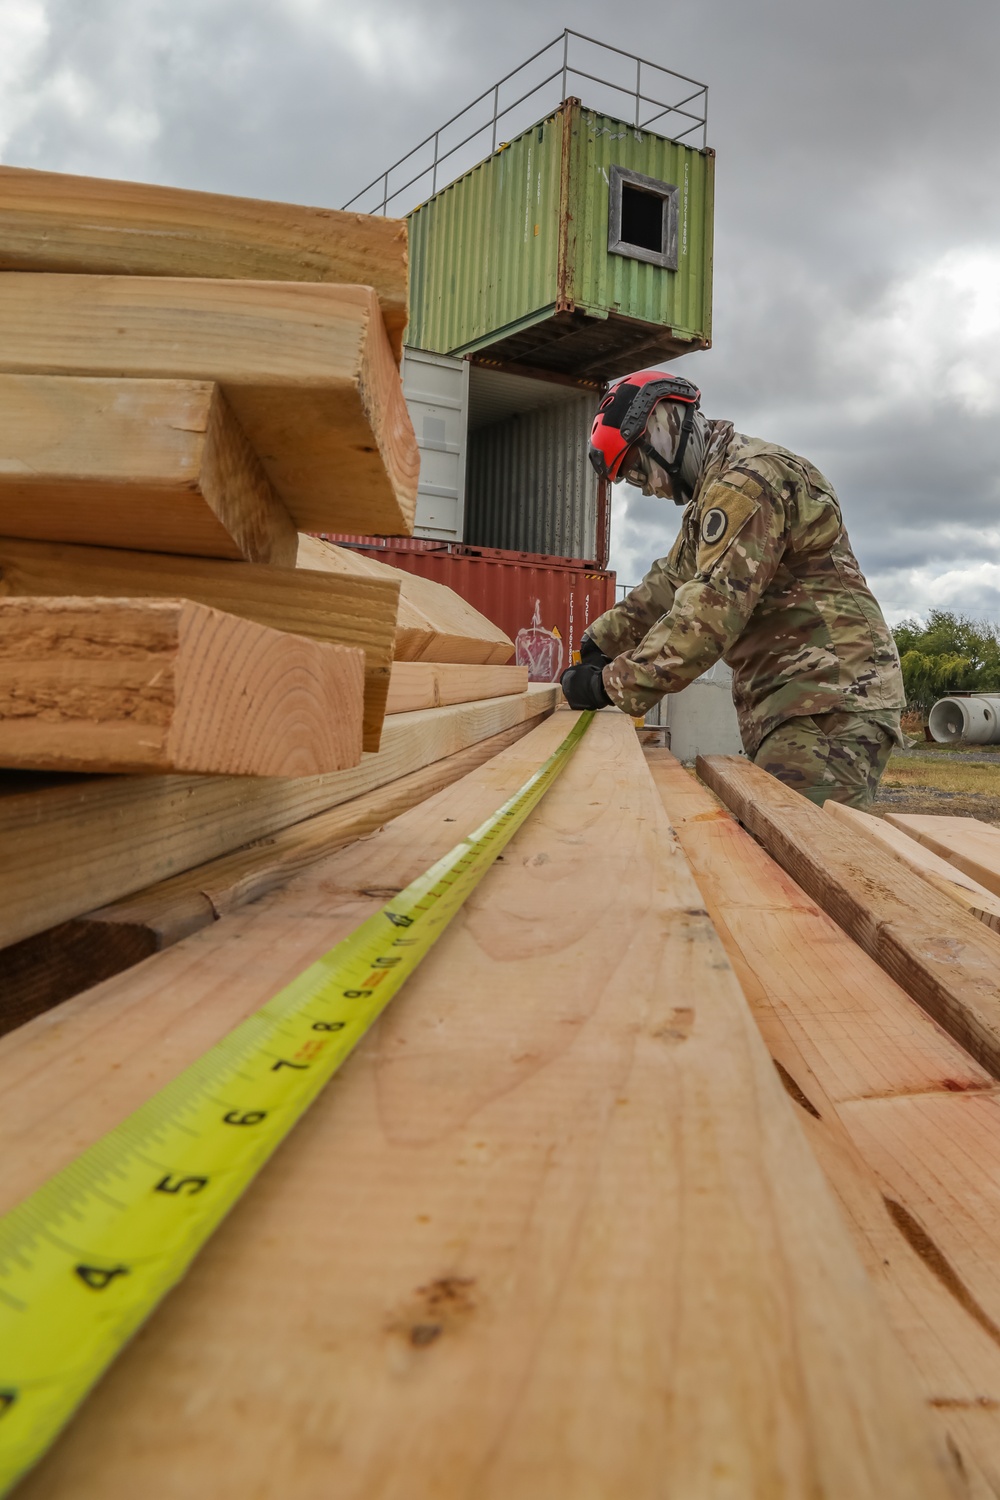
<point>673,466</point>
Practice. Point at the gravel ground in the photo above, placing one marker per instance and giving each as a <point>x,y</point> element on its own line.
<point>976,755</point>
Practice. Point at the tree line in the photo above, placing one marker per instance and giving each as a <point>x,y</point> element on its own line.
<point>950,653</point>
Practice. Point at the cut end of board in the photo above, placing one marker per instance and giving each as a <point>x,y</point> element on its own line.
<point>155,465</point>
<point>106,685</point>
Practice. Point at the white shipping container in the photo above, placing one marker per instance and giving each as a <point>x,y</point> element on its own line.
<point>436,389</point>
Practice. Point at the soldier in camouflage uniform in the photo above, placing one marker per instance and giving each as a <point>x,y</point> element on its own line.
<point>762,575</point>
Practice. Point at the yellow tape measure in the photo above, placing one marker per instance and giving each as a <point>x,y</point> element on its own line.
<point>86,1259</point>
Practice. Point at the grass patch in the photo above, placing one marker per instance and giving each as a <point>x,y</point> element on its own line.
<point>942,775</point>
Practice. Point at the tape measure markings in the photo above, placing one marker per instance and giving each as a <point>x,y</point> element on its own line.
<point>87,1257</point>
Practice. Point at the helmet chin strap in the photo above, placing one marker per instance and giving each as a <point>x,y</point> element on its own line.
<point>672,467</point>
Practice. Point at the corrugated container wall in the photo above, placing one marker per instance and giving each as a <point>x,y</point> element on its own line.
<point>530,484</point>
<point>515,256</point>
<point>484,251</point>
<point>543,603</point>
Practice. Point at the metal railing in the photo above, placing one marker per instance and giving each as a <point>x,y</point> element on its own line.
<point>566,50</point>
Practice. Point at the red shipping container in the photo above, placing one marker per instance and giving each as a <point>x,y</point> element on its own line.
<point>543,603</point>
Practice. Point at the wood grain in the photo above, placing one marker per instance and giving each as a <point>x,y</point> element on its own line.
<point>434,623</point>
<point>966,843</point>
<point>947,878</point>
<point>425,684</point>
<point>942,957</point>
<point>167,685</point>
<point>42,971</point>
<point>325,606</point>
<point>51,221</point>
<point>160,465</point>
<point>552,1233</point>
<point>129,832</point>
<point>872,1075</point>
<point>307,370</point>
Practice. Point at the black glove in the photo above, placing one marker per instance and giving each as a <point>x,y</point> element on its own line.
<point>583,686</point>
<point>590,651</point>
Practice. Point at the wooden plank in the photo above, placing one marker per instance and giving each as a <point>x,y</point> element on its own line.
<point>868,1070</point>
<point>966,843</point>
<point>161,465</point>
<point>434,623</point>
<point>945,877</point>
<point>170,686</point>
<point>935,1163</point>
<point>555,1233</point>
<point>325,606</point>
<point>306,369</point>
<point>946,960</point>
<point>425,684</point>
<point>42,971</point>
<point>129,832</point>
<point>51,221</point>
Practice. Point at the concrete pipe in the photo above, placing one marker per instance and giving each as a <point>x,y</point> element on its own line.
<point>974,720</point>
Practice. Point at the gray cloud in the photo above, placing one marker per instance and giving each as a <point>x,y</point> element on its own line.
<point>857,315</point>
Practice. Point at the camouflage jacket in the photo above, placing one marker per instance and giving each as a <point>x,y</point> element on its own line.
<point>762,575</point>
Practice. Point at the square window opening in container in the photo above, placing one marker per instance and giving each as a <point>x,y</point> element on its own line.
<point>642,218</point>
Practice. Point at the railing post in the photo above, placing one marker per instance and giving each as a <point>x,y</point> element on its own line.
<point>434,174</point>
<point>638,90</point>
<point>565,67</point>
<point>496,108</point>
<point>385,195</point>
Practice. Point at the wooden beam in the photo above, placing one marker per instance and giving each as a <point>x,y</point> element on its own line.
<point>306,369</point>
<point>425,684</point>
<point>129,832</point>
<point>434,623</point>
<point>51,221</point>
<point>42,971</point>
<point>867,1070</point>
<point>966,843</point>
<point>161,465</point>
<point>945,877</point>
<point>167,685</point>
<point>558,1234</point>
<point>325,606</point>
<point>945,959</point>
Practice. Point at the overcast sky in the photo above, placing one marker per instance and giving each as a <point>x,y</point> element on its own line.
<point>857,307</point>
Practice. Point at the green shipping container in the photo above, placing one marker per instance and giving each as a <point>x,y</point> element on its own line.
<point>584,246</point>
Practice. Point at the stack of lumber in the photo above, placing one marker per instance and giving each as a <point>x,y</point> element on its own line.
<point>168,417</point>
<point>557,1228</point>
<point>670,1172</point>
<point>188,384</point>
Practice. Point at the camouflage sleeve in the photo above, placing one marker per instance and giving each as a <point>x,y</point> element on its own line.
<point>739,539</point>
<point>623,627</point>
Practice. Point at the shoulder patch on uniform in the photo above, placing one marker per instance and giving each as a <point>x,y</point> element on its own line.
<point>714,525</point>
<point>724,513</point>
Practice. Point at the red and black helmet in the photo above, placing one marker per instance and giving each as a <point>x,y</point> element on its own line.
<point>623,418</point>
